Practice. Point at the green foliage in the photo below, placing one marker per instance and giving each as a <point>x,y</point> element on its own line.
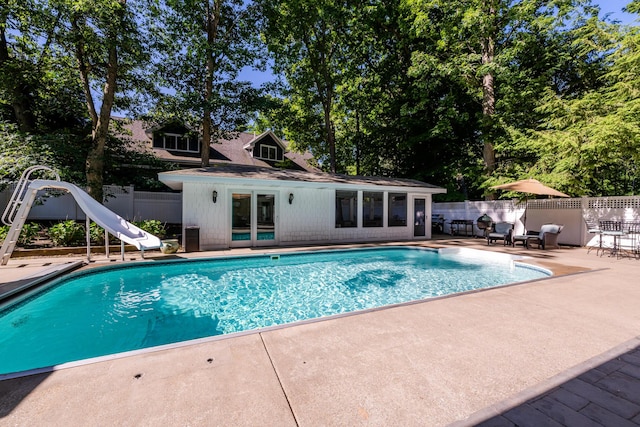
<point>96,233</point>
<point>152,226</point>
<point>27,234</point>
<point>67,233</point>
<point>203,46</point>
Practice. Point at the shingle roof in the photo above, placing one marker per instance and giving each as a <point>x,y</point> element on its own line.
<point>226,151</point>
<point>270,174</point>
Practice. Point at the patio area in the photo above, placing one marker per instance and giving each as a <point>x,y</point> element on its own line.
<point>459,360</point>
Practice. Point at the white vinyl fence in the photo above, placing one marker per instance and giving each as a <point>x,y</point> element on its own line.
<point>532,214</point>
<point>125,201</point>
<point>167,207</point>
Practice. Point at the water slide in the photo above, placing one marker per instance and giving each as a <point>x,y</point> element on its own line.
<point>107,219</point>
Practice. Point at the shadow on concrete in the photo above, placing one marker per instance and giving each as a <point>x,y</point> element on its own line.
<point>14,391</point>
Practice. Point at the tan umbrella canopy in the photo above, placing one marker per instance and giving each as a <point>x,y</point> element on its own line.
<point>530,186</point>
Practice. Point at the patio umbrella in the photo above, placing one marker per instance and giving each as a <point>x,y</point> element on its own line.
<point>529,186</point>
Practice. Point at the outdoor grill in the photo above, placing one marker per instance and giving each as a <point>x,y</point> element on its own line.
<point>484,223</point>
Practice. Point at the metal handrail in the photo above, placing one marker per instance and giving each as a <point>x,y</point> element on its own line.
<point>11,210</point>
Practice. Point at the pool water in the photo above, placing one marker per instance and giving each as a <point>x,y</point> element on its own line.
<point>111,310</point>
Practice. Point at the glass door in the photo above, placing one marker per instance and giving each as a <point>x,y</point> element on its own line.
<point>253,219</point>
<point>241,218</point>
<point>419,215</point>
<point>266,224</point>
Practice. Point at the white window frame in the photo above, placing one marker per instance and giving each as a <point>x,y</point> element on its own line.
<point>270,149</point>
<point>177,136</point>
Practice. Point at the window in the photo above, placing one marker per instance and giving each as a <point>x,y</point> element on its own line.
<point>268,152</point>
<point>372,207</point>
<point>346,207</point>
<point>172,141</point>
<point>397,209</point>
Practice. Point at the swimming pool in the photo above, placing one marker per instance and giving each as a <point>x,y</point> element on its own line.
<point>117,309</point>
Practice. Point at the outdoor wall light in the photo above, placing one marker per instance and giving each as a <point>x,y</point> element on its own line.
<point>290,198</point>
<point>214,196</point>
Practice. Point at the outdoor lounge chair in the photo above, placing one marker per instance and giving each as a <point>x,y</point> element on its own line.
<point>547,238</point>
<point>501,231</point>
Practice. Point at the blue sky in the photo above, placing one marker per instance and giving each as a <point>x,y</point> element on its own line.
<point>615,8</point>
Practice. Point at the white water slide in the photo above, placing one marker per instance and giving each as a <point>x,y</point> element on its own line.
<point>107,219</point>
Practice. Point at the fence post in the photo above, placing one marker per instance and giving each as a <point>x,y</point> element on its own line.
<point>132,203</point>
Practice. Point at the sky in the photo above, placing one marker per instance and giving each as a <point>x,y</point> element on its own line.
<point>615,8</point>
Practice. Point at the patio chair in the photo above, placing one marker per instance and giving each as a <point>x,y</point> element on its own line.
<point>501,231</point>
<point>593,227</point>
<point>547,238</point>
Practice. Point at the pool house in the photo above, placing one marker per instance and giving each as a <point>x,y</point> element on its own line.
<point>249,206</point>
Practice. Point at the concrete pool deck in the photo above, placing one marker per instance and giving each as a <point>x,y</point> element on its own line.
<point>458,360</point>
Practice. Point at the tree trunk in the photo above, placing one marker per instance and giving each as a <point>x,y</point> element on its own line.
<point>100,132</point>
<point>213,20</point>
<point>488,92</point>
<point>331,139</point>
<point>19,91</point>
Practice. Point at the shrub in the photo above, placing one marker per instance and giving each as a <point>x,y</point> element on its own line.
<point>96,233</point>
<point>67,233</point>
<point>27,234</point>
<point>152,226</point>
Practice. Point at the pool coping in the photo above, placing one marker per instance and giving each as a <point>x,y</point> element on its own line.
<point>53,396</point>
<point>54,277</point>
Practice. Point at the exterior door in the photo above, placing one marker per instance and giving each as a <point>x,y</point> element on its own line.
<point>253,219</point>
<point>265,233</point>
<point>419,217</point>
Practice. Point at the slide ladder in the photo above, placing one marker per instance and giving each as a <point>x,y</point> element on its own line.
<point>17,210</point>
<point>25,194</point>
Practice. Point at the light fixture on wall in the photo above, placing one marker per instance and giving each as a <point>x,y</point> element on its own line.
<point>214,196</point>
<point>290,198</point>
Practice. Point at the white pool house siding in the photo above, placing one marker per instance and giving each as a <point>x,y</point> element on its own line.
<point>310,218</point>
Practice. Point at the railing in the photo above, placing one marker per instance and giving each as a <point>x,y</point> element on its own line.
<point>10,211</point>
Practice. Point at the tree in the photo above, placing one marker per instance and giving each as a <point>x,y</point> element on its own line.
<point>37,89</point>
<point>308,42</point>
<point>590,141</point>
<point>105,39</point>
<point>205,45</point>
<point>479,42</point>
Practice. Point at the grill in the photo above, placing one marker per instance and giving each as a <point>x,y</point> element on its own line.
<point>485,222</point>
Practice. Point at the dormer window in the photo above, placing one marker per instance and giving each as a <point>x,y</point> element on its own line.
<point>267,147</point>
<point>176,142</point>
<point>268,152</point>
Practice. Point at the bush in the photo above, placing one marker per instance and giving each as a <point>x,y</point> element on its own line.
<point>152,226</point>
<point>96,233</point>
<point>28,233</point>
<point>67,233</point>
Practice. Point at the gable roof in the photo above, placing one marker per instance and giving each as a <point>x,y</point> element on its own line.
<point>233,151</point>
<point>264,135</point>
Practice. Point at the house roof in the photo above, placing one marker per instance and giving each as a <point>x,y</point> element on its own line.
<point>226,151</point>
<point>250,174</point>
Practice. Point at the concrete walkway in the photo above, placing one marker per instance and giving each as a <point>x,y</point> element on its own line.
<point>463,360</point>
